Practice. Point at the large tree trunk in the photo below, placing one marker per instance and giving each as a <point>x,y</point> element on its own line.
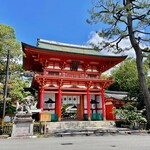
<point>139,63</point>
<point>143,84</point>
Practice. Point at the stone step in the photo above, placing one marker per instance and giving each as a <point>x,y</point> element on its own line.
<point>78,125</point>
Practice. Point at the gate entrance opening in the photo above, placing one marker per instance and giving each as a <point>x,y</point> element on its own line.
<point>70,106</point>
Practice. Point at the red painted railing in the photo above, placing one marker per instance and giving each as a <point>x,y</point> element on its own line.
<point>74,75</point>
<point>77,75</point>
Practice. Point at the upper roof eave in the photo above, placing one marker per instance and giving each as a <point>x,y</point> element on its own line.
<point>39,48</point>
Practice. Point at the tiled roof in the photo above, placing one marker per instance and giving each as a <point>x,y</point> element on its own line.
<point>116,94</point>
<point>69,48</point>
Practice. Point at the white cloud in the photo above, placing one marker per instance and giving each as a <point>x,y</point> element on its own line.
<point>95,39</point>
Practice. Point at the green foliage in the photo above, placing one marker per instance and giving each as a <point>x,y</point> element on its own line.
<point>113,15</point>
<point>126,75</point>
<point>15,84</point>
<point>121,122</point>
<point>130,114</point>
<point>8,42</point>
<point>63,109</point>
<point>16,88</point>
<point>126,20</point>
<point>10,108</point>
<point>126,79</point>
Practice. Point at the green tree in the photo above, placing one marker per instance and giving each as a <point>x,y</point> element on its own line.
<point>131,115</point>
<point>8,42</point>
<point>126,19</point>
<point>126,78</point>
<point>15,84</point>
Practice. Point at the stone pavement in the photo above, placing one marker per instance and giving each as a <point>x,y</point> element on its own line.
<point>100,132</point>
<point>86,128</point>
<point>4,136</point>
<point>97,132</point>
<point>108,142</point>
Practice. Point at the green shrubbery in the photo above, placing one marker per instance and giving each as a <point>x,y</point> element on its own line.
<point>121,123</point>
<point>130,115</point>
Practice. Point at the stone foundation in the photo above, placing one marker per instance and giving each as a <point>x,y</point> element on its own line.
<point>22,125</point>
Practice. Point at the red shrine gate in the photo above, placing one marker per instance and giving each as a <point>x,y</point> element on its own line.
<point>66,72</point>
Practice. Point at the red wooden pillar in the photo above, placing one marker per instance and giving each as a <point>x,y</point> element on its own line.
<point>41,99</point>
<point>56,95</point>
<point>88,105</point>
<point>80,109</point>
<point>59,104</point>
<point>103,105</point>
<point>82,106</point>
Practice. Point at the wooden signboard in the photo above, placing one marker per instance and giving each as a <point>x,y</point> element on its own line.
<point>45,116</point>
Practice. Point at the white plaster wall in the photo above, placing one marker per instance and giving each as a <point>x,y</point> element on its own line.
<point>85,111</point>
<point>99,99</point>
<point>99,105</point>
<point>46,97</point>
<point>92,97</point>
<point>70,99</point>
<point>85,101</point>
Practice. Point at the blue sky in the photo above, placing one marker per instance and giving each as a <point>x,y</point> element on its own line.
<point>56,20</point>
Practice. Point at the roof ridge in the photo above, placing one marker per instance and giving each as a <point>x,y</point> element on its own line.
<point>64,44</point>
<point>115,92</point>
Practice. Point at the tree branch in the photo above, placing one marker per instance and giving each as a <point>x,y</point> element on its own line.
<point>142,32</point>
<point>146,50</point>
<point>139,17</point>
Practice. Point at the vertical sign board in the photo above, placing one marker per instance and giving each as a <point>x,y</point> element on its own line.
<point>44,117</point>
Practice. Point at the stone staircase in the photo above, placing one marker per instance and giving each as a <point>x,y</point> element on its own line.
<point>53,127</point>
